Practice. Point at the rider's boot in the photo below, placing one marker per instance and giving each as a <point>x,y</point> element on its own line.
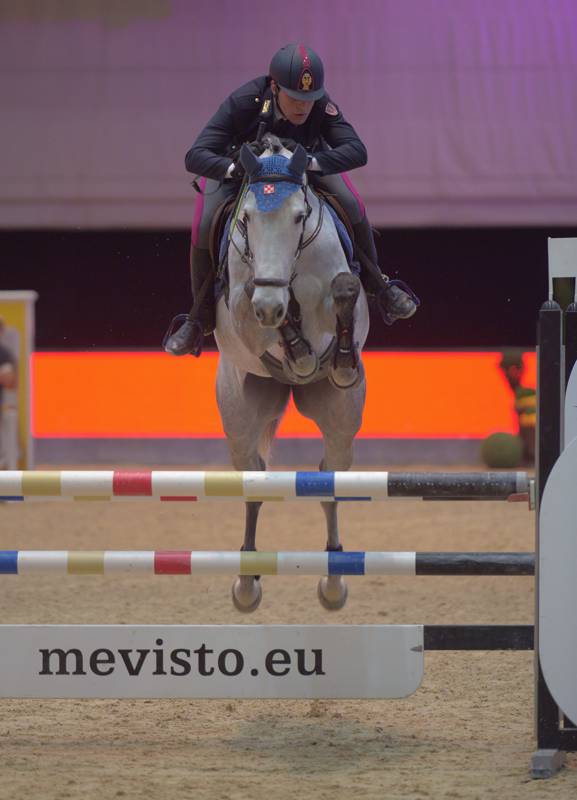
<point>393,302</point>
<point>201,321</point>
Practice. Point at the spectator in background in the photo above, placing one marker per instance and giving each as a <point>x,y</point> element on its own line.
<point>7,377</point>
<point>505,450</point>
<point>525,401</point>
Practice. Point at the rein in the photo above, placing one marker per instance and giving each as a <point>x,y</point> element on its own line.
<point>247,256</point>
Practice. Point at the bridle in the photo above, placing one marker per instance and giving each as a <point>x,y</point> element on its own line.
<point>247,256</point>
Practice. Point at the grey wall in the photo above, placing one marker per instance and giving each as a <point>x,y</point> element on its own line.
<point>468,107</point>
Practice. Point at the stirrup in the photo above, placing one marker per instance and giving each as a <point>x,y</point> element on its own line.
<point>176,324</point>
<point>389,319</point>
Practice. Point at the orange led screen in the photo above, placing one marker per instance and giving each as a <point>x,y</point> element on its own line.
<point>153,395</point>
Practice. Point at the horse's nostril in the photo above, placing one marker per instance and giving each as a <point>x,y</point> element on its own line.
<point>272,315</point>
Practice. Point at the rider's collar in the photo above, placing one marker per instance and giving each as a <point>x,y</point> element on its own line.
<point>277,113</point>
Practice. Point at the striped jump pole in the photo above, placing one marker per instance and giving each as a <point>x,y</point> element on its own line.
<point>165,485</point>
<point>187,562</point>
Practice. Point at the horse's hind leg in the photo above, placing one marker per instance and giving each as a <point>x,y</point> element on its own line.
<point>338,414</point>
<point>247,589</point>
<point>332,590</point>
<point>250,408</point>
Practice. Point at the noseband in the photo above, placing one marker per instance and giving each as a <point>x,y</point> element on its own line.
<point>247,256</point>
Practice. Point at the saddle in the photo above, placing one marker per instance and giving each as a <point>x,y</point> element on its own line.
<point>344,229</point>
<point>217,228</point>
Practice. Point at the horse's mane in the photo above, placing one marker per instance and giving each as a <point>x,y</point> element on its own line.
<point>271,142</point>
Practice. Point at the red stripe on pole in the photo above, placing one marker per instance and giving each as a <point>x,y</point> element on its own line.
<point>172,562</point>
<point>126,483</point>
<point>190,499</point>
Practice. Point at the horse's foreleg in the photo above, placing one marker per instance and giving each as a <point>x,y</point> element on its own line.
<point>345,372</point>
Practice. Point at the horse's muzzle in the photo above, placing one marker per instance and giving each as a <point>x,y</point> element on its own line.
<point>270,306</point>
<point>270,317</point>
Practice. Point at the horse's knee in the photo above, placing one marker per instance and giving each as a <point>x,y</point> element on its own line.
<point>345,289</point>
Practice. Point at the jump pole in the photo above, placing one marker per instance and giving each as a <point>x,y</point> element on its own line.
<point>192,486</point>
<point>195,563</point>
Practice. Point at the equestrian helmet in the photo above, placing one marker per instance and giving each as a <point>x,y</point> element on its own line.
<point>299,71</point>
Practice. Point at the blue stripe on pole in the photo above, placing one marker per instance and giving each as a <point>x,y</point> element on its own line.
<point>356,499</point>
<point>346,563</point>
<point>8,562</point>
<point>9,499</point>
<point>315,484</point>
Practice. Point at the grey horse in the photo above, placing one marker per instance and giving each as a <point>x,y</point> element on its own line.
<point>294,319</point>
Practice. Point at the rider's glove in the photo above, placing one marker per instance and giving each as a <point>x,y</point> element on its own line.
<point>235,170</point>
<point>312,164</point>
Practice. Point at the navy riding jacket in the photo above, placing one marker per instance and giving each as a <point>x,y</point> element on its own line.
<point>326,134</point>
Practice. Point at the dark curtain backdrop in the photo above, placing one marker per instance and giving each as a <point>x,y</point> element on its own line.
<point>115,289</point>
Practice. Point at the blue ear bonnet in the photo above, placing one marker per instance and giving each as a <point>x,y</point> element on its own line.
<point>271,195</point>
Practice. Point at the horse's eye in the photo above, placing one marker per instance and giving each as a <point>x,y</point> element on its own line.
<point>299,218</point>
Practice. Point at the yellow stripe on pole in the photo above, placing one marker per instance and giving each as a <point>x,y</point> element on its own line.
<point>223,484</point>
<point>89,562</point>
<point>41,484</point>
<point>258,563</point>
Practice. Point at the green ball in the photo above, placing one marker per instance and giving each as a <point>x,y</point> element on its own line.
<point>502,450</point>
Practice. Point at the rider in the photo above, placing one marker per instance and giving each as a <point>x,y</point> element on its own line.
<point>291,103</point>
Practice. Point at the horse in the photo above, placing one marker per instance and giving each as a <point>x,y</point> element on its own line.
<point>294,319</point>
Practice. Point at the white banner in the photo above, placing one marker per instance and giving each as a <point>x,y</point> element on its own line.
<point>266,661</point>
<point>557,585</point>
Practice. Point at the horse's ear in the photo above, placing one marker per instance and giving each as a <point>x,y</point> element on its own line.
<point>299,160</point>
<point>249,161</point>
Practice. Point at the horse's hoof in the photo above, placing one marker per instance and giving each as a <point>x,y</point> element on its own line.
<point>345,377</point>
<point>246,598</point>
<point>332,596</point>
<point>302,368</point>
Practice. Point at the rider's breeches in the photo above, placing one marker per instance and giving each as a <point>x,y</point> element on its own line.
<point>365,239</point>
<point>342,187</point>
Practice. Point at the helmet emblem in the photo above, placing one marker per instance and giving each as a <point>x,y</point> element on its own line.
<point>306,82</point>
